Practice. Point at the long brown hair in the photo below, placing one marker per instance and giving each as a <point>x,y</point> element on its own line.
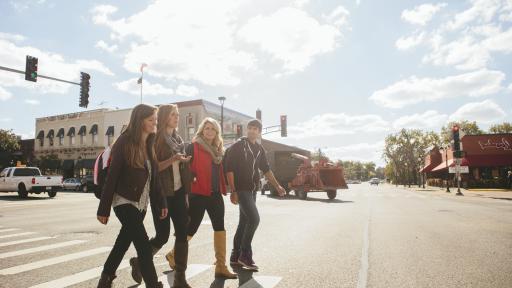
<point>164,111</point>
<point>133,151</point>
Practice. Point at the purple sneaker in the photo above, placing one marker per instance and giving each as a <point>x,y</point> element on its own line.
<point>233,260</point>
<point>246,261</point>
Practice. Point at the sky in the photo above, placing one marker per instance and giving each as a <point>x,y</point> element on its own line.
<point>346,73</point>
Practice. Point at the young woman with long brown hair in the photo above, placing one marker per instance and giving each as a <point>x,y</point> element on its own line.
<point>132,182</point>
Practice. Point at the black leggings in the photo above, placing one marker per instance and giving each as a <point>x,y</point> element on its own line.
<point>213,204</point>
<point>132,230</point>
<point>178,213</point>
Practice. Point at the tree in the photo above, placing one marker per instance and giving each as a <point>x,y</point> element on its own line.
<point>9,143</point>
<point>470,128</point>
<point>504,127</point>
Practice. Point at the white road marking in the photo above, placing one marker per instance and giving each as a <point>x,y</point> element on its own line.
<point>192,270</point>
<point>52,261</point>
<point>3,244</point>
<point>78,277</point>
<point>41,248</point>
<point>17,235</point>
<point>9,230</point>
<point>206,222</point>
<point>363,272</point>
<point>262,282</point>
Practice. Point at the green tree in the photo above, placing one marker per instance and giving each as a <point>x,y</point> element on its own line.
<point>468,127</point>
<point>504,127</point>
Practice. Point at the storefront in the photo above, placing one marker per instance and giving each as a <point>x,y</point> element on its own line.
<point>488,157</point>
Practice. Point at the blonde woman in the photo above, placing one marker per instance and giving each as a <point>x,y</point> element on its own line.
<point>208,187</point>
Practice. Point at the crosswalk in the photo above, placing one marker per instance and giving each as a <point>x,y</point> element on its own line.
<point>12,237</point>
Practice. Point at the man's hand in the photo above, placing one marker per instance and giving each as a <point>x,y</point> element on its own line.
<point>164,213</point>
<point>234,198</point>
<point>280,191</point>
<point>103,219</point>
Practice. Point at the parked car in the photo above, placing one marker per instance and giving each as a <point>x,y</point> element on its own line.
<point>87,183</point>
<point>374,181</point>
<point>353,182</point>
<point>25,180</point>
<point>72,184</point>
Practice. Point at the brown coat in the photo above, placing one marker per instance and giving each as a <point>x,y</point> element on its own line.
<point>128,181</point>
<point>164,152</point>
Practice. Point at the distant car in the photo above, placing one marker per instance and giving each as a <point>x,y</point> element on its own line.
<point>87,183</point>
<point>27,180</point>
<point>72,184</point>
<point>374,181</point>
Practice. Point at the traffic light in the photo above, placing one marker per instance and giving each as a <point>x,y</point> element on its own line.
<point>84,89</point>
<point>456,138</point>
<point>284,126</point>
<point>239,131</point>
<point>31,69</point>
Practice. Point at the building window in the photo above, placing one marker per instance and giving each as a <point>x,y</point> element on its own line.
<point>94,133</point>
<point>40,137</point>
<point>82,132</point>
<point>191,132</point>
<point>110,135</point>
<point>71,135</point>
<point>60,135</point>
<point>50,136</point>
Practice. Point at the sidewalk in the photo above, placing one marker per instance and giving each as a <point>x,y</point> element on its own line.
<point>500,194</point>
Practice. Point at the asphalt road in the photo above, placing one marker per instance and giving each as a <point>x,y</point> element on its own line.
<point>370,236</point>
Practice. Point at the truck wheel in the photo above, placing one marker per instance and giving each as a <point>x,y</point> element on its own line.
<point>303,195</point>
<point>52,193</point>
<point>331,194</point>
<point>22,191</point>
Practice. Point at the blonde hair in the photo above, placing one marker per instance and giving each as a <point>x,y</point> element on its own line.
<point>218,142</point>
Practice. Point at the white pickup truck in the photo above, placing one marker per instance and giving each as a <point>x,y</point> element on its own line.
<point>26,180</point>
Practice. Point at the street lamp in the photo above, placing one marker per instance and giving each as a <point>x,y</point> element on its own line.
<point>222,99</point>
<point>447,170</point>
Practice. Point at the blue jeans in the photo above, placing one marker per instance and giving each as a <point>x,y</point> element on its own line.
<point>248,223</point>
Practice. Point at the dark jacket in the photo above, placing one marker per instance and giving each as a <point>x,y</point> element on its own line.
<point>128,181</point>
<point>244,162</point>
<point>164,152</point>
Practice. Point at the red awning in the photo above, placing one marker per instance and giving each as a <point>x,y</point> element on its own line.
<point>442,166</point>
<point>427,168</point>
<point>489,160</point>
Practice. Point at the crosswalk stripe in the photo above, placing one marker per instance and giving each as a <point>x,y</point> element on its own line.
<point>192,270</point>
<point>16,235</point>
<point>78,277</point>
<point>41,248</point>
<point>3,244</point>
<point>52,261</point>
<point>262,282</point>
<point>9,230</point>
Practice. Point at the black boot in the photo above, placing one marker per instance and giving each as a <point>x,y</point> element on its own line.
<point>106,281</point>
<point>181,258</point>
<point>134,263</point>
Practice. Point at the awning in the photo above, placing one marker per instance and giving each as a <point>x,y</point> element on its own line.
<point>51,163</point>
<point>427,168</point>
<point>82,130</point>
<point>110,131</point>
<point>60,134</point>
<point>442,166</point>
<point>94,129</point>
<point>50,134</point>
<point>85,163</point>
<point>489,160</point>
<point>40,135</point>
<point>71,132</point>
<point>68,164</point>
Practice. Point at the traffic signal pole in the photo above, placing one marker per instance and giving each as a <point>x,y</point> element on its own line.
<point>38,75</point>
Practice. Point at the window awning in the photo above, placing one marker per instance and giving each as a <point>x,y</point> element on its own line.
<point>82,130</point>
<point>427,168</point>
<point>60,134</point>
<point>110,131</point>
<point>40,135</point>
<point>488,160</point>
<point>68,164</point>
<point>71,132</point>
<point>86,163</point>
<point>51,134</point>
<point>443,165</point>
<point>94,129</point>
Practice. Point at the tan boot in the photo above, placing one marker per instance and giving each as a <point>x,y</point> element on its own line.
<point>170,256</point>
<point>219,243</point>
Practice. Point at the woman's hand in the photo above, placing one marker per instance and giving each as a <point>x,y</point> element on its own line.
<point>234,198</point>
<point>180,157</point>
<point>164,213</point>
<point>103,219</point>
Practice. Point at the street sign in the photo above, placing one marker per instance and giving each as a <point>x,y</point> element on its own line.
<point>462,169</point>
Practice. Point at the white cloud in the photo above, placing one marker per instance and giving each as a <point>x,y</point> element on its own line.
<point>179,41</point>
<point>104,46</point>
<point>12,37</point>
<point>338,17</point>
<point>187,91</point>
<point>405,43</point>
<point>130,86</point>
<point>481,11</point>
<point>415,90</point>
<point>32,101</point>
<point>364,152</point>
<point>331,124</point>
<point>4,94</point>
<point>486,112</point>
<point>5,119</point>
<point>421,14</point>
<point>50,64</point>
<point>292,36</point>
<point>428,120</point>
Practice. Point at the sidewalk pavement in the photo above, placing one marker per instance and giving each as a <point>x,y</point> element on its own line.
<point>500,194</point>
